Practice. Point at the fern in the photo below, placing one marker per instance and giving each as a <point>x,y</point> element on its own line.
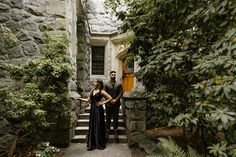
<point>193,153</point>
<point>168,148</point>
<point>172,148</point>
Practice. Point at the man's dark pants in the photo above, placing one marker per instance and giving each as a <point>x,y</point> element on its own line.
<point>112,111</point>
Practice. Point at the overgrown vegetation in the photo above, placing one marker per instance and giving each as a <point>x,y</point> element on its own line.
<point>39,97</point>
<point>168,148</point>
<point>187,51</point>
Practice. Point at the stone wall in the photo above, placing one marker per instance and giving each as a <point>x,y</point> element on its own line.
<point>134,105</point>
<point>83,50</point>
<point>26,20</point>
<point>100,19</point>
<point>22,24</point>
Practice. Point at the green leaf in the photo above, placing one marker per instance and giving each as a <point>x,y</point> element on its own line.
<point>226,92</point>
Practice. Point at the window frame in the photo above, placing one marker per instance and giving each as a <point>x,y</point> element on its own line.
<point>100,49</point>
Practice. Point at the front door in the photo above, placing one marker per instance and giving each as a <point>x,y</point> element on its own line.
<point>127,75</point>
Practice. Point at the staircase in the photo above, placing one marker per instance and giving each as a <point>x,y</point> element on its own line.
<point>82,124</point>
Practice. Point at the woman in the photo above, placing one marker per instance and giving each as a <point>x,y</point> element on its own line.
<point>97,131</point>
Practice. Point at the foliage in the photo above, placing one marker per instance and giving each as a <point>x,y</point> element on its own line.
<point>168,148</point>
<point>187,51</point>
<point>218,150</point>
<point>222,150</point>
<point>45,150</point>
<point>9,39</point>
<point>42,97</point>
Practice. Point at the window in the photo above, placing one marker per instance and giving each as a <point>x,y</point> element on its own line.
<point>98,54</point>
<point>130,67</point>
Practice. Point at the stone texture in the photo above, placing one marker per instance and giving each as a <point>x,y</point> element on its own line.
<point>100,19</point>
<point>55,8</point>
<point>4,17</point>
<point>37,36</point>
<point>29,25</point>
<point>15,52</point>
<point>38,3</point>
<point>35,10</point>
<point>4,7</point>
<point>30,48</point>
<point>19,15</point>
<point>5,1</point>
<point>23,36</point>
<point>60,24</point>
<point>135,112</point>
<point>16,4</point>
<point>13,26</point>
<point>134,138</point>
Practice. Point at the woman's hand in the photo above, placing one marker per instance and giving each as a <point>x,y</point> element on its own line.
<point>99,103</point>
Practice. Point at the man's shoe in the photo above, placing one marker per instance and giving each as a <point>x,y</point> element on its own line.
<point>116,138</point>
<point>90,149</point>
<point>101,148</point>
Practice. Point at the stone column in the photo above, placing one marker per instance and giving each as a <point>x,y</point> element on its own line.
<point>134,104</point>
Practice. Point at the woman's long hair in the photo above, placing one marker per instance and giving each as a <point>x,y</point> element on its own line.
<point>99,84</point>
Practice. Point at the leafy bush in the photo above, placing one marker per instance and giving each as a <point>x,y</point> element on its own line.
<point>186,51</point>
<point>42,97</point>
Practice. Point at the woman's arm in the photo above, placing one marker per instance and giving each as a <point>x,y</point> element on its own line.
<point>107,97</point>
<point>84,99</point>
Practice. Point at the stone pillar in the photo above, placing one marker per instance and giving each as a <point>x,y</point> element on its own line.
<point>134,104</point>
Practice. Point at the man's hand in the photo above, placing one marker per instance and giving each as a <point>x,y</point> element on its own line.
<point>113,101</point>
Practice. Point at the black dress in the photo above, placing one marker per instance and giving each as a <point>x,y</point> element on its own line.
<point>97,133</point>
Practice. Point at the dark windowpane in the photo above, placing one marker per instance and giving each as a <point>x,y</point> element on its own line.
<point>97,60</point>
<point>130,67</point>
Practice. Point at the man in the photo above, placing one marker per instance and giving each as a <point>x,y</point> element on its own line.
<point>115,90</point>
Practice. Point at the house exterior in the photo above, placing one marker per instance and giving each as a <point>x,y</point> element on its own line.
<point>106,46</point>
<point>95,47</point>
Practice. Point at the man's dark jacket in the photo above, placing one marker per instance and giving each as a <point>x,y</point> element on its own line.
<point>115,90</point>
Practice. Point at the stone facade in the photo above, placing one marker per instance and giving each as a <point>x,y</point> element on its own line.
<point>83,50</point>
<point>100,19</point>
<point>21,24</point>
<point>24,20</point>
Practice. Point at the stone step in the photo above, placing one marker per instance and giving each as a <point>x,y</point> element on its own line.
<point>86,116</point>
<point>83,130</point>
<point>82,139</point>
<point>85,122</point>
